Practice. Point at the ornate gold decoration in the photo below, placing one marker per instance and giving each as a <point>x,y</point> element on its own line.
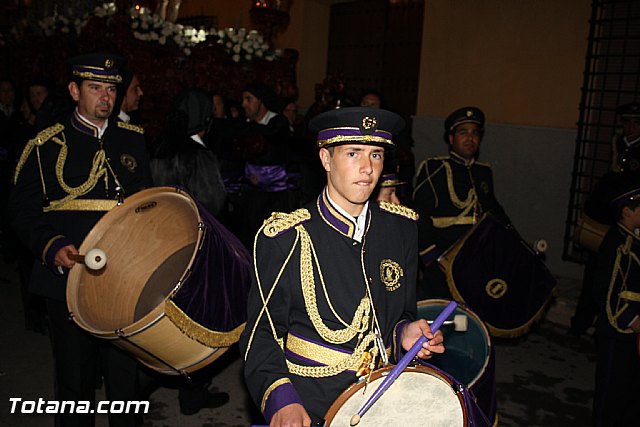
<point>108,63</point>
<point>199,333</point>
<point>369,122</point>
<point>496,288</point>
<point>98,205</point>
<point>390,274</point>
<point>399,210</point>
<point>129,126</point>
<point>279,222</point>
<point>129,162</point>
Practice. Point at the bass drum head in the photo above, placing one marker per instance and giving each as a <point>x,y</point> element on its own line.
<point>419,396</point>
<point>467,352</point>
<point>149,241</point>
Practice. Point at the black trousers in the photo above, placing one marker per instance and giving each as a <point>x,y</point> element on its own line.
<point>616,401</point>
<point>78,358</point>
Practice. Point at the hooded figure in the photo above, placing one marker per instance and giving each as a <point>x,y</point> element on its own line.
<point>182,158</point>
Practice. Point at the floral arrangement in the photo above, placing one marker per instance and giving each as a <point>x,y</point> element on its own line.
<point>151,27</point>
<point>243,45</point>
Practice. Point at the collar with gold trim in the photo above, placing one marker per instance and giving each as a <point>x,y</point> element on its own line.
<point>461,160</point>
<point>83,126</point>
<point>343,224</point>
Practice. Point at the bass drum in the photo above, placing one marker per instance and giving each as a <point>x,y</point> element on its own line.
<point>421,395</point>
<point>500,277</point>
<point>469,355</point>
<point>173,291</point>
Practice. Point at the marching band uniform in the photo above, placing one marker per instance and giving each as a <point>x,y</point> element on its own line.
<point>67,177</point>
<point>324,284</point>
<point>624,171</point>
<point>451,195</point>
<point>617,294</point>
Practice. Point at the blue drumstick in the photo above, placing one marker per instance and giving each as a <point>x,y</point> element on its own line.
<point>403,363</point>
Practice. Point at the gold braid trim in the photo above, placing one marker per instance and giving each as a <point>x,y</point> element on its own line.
<point>42,137</point>
<point>129,126</point>
<point>272,387</point>
<point>360,319</point>
<point>265,300</point>
<point>621,271</point>
<point>98,170</point>
<point>469,202</point>
<point>630,296</point>
<point>199,333</point>
<point>349,362</point>
<point>399,210</point>
<point>279,222</point>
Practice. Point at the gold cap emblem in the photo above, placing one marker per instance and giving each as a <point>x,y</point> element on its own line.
<point>108,63</point>
<point>469,113</point>
<point>369,122</point>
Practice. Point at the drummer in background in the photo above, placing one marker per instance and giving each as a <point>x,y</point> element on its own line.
<point>451,195</point>
<point>387,188</point>
<point>624,171</point>
<point>617,294</point>
<point>68,176</point>
<point>333,290</point>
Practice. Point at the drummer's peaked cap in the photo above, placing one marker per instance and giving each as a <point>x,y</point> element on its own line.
<point>626,197</point>
<point>100,67</point>
<point>356,125</point>
<point>628,111</point>
<point>464,115</point>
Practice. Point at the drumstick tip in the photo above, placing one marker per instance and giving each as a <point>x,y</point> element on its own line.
<point>354,420</point>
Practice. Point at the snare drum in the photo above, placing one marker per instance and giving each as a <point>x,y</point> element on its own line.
<point>421,395</point>
<point>173,292</point>
<point>469,356</point>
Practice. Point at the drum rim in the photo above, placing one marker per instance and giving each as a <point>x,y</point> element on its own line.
<point>463,306</point>
<point>155,315</point>
<point>378,373</point>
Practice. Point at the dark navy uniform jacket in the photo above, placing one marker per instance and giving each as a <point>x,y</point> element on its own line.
<point>450,196</point>
<point>299,255</point>
<point>617,281</point>
<point>48,214</point>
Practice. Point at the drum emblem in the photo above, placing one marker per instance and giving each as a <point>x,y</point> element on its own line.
<point>390,274</point>
<point>496,288</point>
<point>129,162</point>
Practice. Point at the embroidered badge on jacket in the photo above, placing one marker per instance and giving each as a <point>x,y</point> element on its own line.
<point>390,274</point>
<point>129,162</point>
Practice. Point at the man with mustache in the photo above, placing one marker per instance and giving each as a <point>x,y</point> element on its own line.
<point>67,178</point>
<point>451,194</point>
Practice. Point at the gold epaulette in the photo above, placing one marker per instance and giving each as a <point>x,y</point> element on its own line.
<point>129,126</point>
<point>438,158</point>
<point>483,164</point>
<point>39,140</point>
<point>46,134</point>
<point>279,222</point>
<point>400,210</point>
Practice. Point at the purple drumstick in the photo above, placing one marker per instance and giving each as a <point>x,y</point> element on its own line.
<point>444,314</point>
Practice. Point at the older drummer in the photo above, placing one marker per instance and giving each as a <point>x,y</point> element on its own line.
<point>451,194</point>
<point>68,176</point>
<point>333,292</point>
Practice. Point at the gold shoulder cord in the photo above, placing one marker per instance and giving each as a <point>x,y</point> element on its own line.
<point>97,168</point>
<point>358,325</point>
<point>623,250</point>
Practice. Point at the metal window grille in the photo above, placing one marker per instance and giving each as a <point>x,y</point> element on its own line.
<point>611,78</point>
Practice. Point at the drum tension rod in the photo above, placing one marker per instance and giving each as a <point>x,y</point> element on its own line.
<point>121,334</point>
